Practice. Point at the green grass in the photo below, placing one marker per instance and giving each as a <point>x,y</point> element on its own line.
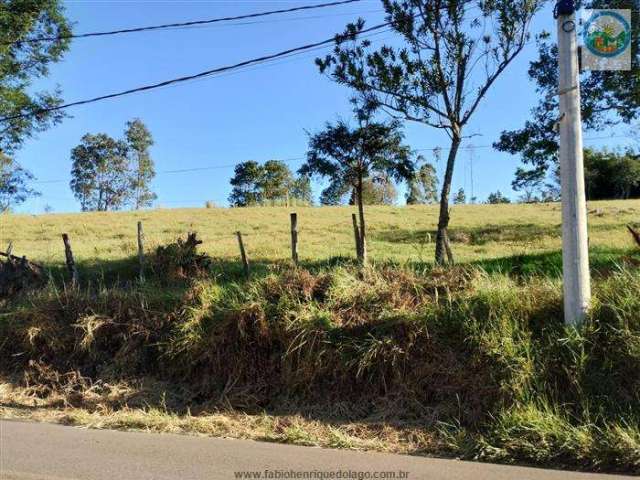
<point>479,232</point>
<point>472,361</point>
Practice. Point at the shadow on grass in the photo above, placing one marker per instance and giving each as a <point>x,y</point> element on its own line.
<point>124,273</point>
<point>549,264</point>
<point>527,232</point>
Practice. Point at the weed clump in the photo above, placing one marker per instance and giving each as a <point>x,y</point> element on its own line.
<point>17,275</point>
<point>180,260</point>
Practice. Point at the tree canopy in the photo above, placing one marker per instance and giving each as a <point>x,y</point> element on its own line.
<point>378,191</point>
<point>460,196</point>
<point>423,188</point>
<point>100,173</point>
<point>23,62</point>
<point>611,175</point>
<point>272,183</point>
<point>497,197</point>
<point>109,174</point>
<point>139,140</point>
<point>347,156</point>
<point>453,52</point>
<point>608,99</point>
<point>14,184</point>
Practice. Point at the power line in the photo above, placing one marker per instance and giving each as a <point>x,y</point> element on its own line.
<point>187,78</point>
<point>179,25</point>
<point>287,58</point>
<point>302,157</point>
<point>206,73</point>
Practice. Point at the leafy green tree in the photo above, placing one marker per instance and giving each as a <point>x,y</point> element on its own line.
<point>537,185</point>
<point>276,182</point>
<point>376,191</point>
<point>246,182</point>
<point>301,190</point>
<point>423,188</point>
<point>100,176</point>
<point>23,62</point>
<point>608,98</point>
<point>335,193</point>
<point>271,183</point>
<point>14,184</point>
<point>453,52</point>
<point>139,140</point>
<point>497,197</point>
<point>348,156</point>
<point>460,197</point>
<point>611,175</point>
<point>608,175</point>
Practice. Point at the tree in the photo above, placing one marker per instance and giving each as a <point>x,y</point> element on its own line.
<point>608,175</point>
<point>273,183</point>
<point>376,191</point>
<point>611,175</point>
<point>22,62</point>
<point>460,197</point>
<point>301,190</point>
<point>14,181</point>
<point>100,177</point>
<point>335,193</point>
<point>454,51</point>
<point>347,156</point>
<point>537,185</point>
<point>139,140</point>
<point>608,98</point>
<point>497,197</point>
<point>276,182</point>
<point>246,184</point>
<point>423,188</point>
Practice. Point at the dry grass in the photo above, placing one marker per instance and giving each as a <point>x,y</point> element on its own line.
<point>396,233</point>
<point>20,404</point>
<point>472,361</point>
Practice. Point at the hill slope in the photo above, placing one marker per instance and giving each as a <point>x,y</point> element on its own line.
<point>395,233</point>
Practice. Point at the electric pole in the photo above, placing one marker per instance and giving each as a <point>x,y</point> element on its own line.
<point>575,246</point>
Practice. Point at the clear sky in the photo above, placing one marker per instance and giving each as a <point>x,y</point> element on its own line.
<point>259,113</point>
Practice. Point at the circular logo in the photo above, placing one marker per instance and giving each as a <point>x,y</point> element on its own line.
<point>607,34</point>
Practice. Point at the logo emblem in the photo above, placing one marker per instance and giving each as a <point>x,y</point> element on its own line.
<point>607,39</point>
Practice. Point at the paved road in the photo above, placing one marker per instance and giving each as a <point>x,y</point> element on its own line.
<point>37,451</point>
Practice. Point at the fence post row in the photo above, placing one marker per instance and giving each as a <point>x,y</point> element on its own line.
<point>243,255</point>
<point>71,264</point>
<point>294,238</point>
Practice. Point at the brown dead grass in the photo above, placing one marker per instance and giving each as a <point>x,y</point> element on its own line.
<point>95,410</point>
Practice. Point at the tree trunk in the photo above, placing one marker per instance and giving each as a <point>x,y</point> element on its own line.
<point>363,237</point>
<point>443,248</point>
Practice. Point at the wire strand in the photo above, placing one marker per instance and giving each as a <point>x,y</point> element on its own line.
<point>179,25</point>
<point>186,78</point>
<point>302,157</point>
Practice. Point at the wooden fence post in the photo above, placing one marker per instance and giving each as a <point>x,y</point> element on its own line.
<point>71,264</point>
<point>356,234</point>
<point>141,250</point>
<point>294,238</point>
<point>243,255</point>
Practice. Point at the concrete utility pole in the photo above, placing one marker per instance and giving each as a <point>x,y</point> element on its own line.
<point>575,247</point>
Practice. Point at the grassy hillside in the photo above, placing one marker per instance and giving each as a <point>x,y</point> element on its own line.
<point>471,361</point>
<point>479,232</point>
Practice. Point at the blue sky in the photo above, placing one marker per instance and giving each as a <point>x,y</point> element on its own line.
<point>259,113</point>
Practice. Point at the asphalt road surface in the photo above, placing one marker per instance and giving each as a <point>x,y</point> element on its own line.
<point>39,451</point>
